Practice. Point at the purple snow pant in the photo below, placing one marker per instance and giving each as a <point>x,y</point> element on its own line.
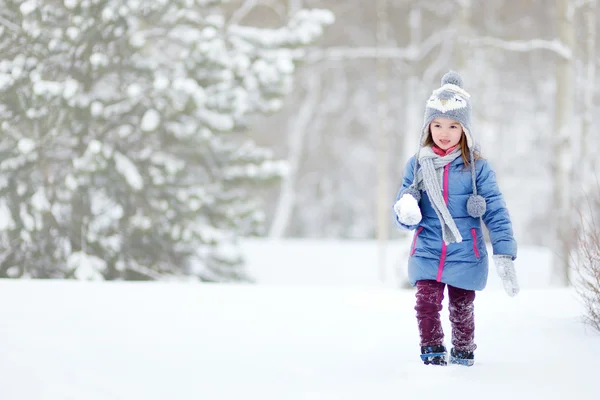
<point>429,304</point>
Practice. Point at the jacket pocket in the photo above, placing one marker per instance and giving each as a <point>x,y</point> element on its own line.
<point>413,248</point>
<point>475,249</point>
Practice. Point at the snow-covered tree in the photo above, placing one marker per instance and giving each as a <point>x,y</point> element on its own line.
<point>121,150</point>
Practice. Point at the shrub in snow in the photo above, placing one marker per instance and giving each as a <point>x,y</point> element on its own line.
<point>121,135</point>
<point>587,262</point>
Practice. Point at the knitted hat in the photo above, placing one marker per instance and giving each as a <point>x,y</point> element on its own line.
<point>453,102</point>
<point>449,101</point>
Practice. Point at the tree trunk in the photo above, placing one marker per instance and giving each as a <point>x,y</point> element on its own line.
<point>382,199</point>
<point>587,153</point>
<point>464,27</point>
<point>296,135</point>
<point>562,160</point>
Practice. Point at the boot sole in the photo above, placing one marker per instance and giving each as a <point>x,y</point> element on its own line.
<point>461,361</point>
<point>428,359</point>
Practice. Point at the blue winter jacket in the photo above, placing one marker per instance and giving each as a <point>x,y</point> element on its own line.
<point>463,265</point>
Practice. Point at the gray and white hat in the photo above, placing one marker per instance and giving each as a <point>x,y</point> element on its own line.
<point>449,101</point>
<point>453,102</point>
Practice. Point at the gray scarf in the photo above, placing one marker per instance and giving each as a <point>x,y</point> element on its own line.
<point>429,178</point>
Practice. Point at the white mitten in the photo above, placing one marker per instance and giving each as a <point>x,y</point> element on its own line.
<point>506,270</point>
<point>407,209</point>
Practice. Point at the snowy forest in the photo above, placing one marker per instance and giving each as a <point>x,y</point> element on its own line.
<point>145,139</point>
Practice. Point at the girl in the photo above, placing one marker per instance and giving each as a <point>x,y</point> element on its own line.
<point>447,190</point>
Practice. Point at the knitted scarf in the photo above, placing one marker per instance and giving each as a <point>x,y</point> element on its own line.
<point>429,178</point>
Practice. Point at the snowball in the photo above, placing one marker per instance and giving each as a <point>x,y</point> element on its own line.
<point>408,210</point>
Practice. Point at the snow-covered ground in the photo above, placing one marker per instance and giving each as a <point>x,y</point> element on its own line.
<point>355,263</point>
<point>281,340</point>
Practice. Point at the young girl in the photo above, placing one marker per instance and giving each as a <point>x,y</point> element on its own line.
<point>447,190</point>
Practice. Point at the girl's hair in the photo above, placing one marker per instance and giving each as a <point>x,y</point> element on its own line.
<point>463,147</point>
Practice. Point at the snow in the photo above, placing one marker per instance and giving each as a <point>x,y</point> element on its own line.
<point>73,32</point>
<point>161,82</point>
<point>96,108</point>
<point>318,327</point>
<point>26,218</point>
<point>44,88</point>
<point>137,40</point>
<point>150,120</point>
<point>71,4</point>
<point>108,14</point>
<point>263,170</point>
<point>6,220</point>
<point>129,171</point>
<point>71,182</point>
<point>5,80</point>
<point>25,145</point>
<point>326,262</point>
<point>216,121</point>
<point>39,201</point>
<point>134,90</point>
<point>70,88</point>
<point>408,210</point>
<point>99,59</point>
<point>140,221</point>
<point>27,7</point>
<point>86,267</point>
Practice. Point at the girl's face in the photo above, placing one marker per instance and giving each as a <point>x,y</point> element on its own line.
<point>446,133</point>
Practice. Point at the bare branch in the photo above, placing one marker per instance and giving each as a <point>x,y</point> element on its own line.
<point>439,63</point>
<point>587,264</point>
<point>10,25</point>
<point>242,12</point>
<point>524,45</point>
<point>413,53</point>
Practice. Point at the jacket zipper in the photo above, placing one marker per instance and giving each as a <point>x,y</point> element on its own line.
<point>443,257</point>
<point>475,242</point>
<point>414,244</point>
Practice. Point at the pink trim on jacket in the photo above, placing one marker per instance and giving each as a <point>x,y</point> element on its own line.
<point>446,194</point>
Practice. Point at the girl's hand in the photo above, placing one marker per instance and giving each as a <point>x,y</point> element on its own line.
<point>506,270</point>
<point>407,209</point>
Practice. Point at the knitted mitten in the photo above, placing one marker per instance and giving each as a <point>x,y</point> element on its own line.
<point>506,270</point>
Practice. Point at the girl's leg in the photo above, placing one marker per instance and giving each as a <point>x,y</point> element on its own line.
<point>462,317</point>
<point>429,304</point>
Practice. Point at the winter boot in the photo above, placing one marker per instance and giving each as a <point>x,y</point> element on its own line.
<point>435,355</point>
<point>462,357</point>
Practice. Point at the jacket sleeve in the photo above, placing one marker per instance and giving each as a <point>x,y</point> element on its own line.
<point>407,180</point>
<point>496,217</point>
